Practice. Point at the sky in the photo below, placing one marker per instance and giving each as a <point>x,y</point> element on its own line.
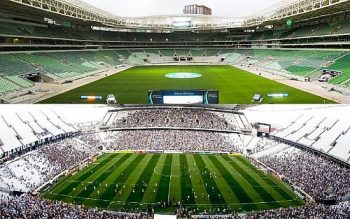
<point>232,8</point>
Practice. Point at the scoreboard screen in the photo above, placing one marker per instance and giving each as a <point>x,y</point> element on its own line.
<point>183,97</point>
<point>182,22</point>
<point>264,129</point>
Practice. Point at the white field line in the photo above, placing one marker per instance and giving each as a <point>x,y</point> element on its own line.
<point>146,203</point>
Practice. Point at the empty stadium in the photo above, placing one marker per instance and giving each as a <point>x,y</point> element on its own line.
<point>52,55</point>
<point>194,161</point>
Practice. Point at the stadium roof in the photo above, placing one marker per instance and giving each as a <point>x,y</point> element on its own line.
<point>286,9</point>
<point>298,10</point>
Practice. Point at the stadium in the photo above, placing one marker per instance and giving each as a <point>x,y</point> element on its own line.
<point>174,109</point>
<point>65,51</point>
<point>174,161</point>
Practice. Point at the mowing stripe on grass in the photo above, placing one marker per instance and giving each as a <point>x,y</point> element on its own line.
<point>267,179</point>
<point>208,176</point>
<point>283,188</point>
<point>175,181</point>
<point>186,184</point>
<point>259,184</point>
<point>89,171</point>
<point>236,188</point>
<point>130,183</point>
<point>264,195</point>
<point>79,185</point>
<point>101,187</point>
<point>97,180</point>
<point>252,167</point>
<point>86,171</point>
<point>131,169</point>
<point>163,186</point>
<point>198,184</point>
<point>119,178</point>
<point>144,179</point>
<point>151,190</point>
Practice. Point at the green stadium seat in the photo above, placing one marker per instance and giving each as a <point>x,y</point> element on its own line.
<point>7,86</point>
<point>20,81</point>
<point>342,65</point>
<point>11,65</point>
<point>167,52</point>
<point>182,52</point>
<point>197,52</point>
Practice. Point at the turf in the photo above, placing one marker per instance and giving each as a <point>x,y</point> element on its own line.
<point>235,86</point>
<point>124,181</point>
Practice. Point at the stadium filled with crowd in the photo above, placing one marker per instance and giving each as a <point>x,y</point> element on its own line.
<point>183,155</point>
<point>321,178</point>
<point>28,206</point>
<point>180,118</point>
<point>324,180</point>
<point>312,211</point>
<point>28,172</point>
<point>179,140</point>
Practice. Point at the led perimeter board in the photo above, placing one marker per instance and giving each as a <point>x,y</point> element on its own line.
<point>183,97</point>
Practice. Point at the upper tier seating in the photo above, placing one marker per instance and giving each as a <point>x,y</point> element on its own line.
<point>35,29</point>
<point>328,135</point>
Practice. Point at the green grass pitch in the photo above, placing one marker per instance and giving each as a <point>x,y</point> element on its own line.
<point>236,86</point>
<point>121,181</point>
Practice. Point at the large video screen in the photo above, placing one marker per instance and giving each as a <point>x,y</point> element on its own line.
<point>183,99</point>
<point>182,22</point>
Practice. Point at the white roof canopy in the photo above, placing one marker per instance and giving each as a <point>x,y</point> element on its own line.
<point>82,10</point>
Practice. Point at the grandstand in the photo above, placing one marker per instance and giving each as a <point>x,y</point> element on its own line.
<point>218,145</point>
<point>68,48</point>
<point>126,160</point>
<point>324,134</point>
<point>25,130</point>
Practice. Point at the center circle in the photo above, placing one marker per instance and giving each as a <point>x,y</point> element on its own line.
<point>183,75</point>
<point>159,170</point>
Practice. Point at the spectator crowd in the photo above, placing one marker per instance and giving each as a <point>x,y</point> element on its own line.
<point>321,178</point>
<point>32,207</point>
<point>33,169</point>
<point>314,211</point>
<point>179,118</point>
<point>28,206</point>
<point>180,140</point>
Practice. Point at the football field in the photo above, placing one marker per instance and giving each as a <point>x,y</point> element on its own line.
<point>235,86</point>
<point>118,181</point>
